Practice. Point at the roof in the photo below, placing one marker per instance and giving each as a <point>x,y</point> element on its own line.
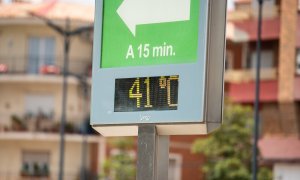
<point>52,9</point>
<point>280,148</point>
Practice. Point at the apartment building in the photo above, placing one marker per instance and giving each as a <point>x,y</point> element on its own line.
<point>31,62</point>
<point>280,77</point>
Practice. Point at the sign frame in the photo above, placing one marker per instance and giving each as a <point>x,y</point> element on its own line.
<point>200,100</point>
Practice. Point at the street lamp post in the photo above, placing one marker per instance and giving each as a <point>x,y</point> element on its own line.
<point>84,148</point>
<point>64,98</point>
<point>67,33</point>
<point>257,92</point>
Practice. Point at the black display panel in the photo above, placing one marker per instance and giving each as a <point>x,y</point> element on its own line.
<point>146,94</point>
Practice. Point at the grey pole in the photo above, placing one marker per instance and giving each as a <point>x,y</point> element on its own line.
<point>153,154</point>
<point>257,93</point>
<point>162,157</point>
<point>84,147</point>
<point>64,100</point>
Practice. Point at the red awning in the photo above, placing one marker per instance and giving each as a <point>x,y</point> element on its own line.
<point>270,28</point>
<point>280,148</point>
<point>245,92</point>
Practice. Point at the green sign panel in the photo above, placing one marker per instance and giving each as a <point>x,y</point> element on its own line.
<point>143,32</point>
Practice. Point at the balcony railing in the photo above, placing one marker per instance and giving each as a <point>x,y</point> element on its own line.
<point>247,75</point>
<point>39,123</point>
<point>21,65</point>
<point>17,176</point>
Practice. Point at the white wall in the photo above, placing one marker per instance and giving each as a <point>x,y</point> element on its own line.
<point>11,157</point>
<point>286,171</point>
<point>12,97</point>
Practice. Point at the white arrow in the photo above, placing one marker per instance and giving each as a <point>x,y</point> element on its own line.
<point>137,12</point>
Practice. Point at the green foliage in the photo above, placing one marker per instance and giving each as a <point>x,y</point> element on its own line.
<point>25,169</point>
<point>17,123</point>
<point>120,166</point>
<point>123,144</point>
<point>228,150</point>
<point>265,174</point>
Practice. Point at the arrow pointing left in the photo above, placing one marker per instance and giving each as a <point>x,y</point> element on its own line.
<point>137,12</point>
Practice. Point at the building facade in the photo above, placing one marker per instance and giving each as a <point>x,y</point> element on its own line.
<point>31,65</point>
<point>280,78</point>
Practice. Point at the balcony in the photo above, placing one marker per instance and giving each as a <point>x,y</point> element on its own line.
<point>39,136</point>
<point>248,75</point>
<point>245,92</point>
<point>16,67</point>
<point>40,123</point>
<point>16,143</point>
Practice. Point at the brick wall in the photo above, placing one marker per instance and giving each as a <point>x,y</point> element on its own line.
<point>289,119</point>
<point>271,122</point>
<point>191,163</point>
<point>280,118</point>
<point>94,166</point>
<point>287,50</point>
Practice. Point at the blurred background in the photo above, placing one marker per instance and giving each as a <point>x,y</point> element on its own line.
<point>31,81</point>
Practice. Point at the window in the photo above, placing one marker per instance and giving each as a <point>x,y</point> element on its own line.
<point>35,163</point>
<point>174,172</point>
<point>267,59</point>
<point>39,105</point>
<point>40,53</point>
<point>228,60</point>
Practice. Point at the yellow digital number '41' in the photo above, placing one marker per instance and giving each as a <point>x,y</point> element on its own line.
<point>137,95</point>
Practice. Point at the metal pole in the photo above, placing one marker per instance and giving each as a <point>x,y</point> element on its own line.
<point>162,160</point>
<point>84,147</point>
<point>257,92</point>
<point>64,100</point>
<point>153,154</point>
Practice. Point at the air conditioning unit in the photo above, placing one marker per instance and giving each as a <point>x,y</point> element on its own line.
<point>298,63</point>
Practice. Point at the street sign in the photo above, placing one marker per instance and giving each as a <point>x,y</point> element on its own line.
<point>158,62</point>
<point>149,32</point>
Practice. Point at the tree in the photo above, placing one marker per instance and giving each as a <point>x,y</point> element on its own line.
<point>228,150</point>
<point>120,166</point>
